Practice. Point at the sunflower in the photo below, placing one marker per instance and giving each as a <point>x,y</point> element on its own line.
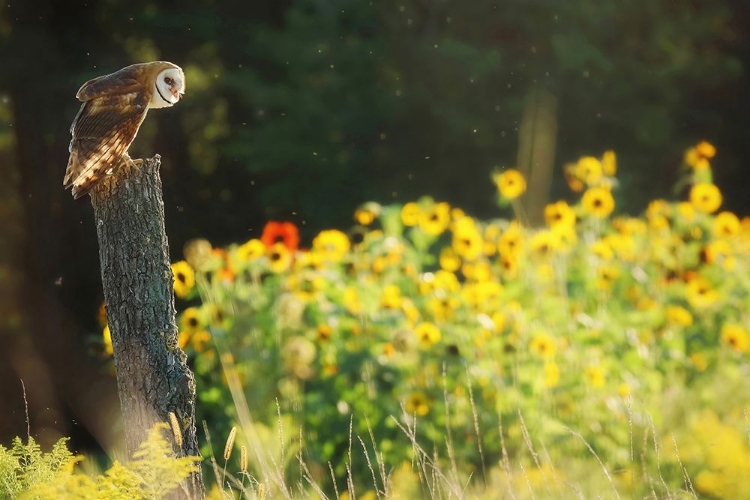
<point>250,251</point>
<point>559,214</point>
<point>427,334</point>
<point>467,240</point>
<point>598,202</point>
<point>332,245</point>
<point>449,260</point>
<point>705,149</point>
<point>391,298</point>
<point>510,241</point>
<point>280,232</point>
<point>589,170</point>
<point>609,163</point>
<point>595,375</point>
<point>679,316</point>
<point>417,404</point>
<point>184,278</point>
<point>726,224</point>
<point>410,214</point>
<point>695,160</point>
<point>543,243</point>
<point>436,219</point>
<point>511,183</point>
<point>279,257</point>
<point>367,213</point>
<point>719,252</point>
<point>736,337</point>
<point>700,293</point>
<point>543,346</point>
<point>705,197</point>
<point>191,320</point>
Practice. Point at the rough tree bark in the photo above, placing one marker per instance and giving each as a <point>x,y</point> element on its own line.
<point>153,378</point>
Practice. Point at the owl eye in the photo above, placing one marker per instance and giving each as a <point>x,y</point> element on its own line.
<point>168,80</point>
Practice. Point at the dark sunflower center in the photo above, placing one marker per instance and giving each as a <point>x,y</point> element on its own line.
<point>598,203</point>
<point>181,277</point>
<point>275,256</point>
<point>193,322</point>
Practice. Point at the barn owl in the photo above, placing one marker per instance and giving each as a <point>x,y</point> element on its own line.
<point>113,109</point>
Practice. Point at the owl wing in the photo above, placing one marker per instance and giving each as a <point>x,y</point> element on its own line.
<point>102,131</point>
<point>124,81</point>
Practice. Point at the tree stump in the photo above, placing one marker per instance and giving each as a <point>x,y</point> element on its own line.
<point>153,378</point>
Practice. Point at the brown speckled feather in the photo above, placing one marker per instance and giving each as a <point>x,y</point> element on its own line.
<point>102,132</point>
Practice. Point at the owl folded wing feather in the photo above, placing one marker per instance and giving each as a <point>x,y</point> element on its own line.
<point>123,81</point>
<point>113,109</point>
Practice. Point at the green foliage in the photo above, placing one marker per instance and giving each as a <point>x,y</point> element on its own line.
<point>24,465</point>
<point>431,335</point>
<point>28,473</point>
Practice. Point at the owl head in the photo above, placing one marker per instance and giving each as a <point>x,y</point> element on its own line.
<point>169,86</point>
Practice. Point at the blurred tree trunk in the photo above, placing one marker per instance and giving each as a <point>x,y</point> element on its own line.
<point>537,140</point>
<point>152,374</point>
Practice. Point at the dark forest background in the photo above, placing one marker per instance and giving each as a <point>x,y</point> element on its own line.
<point>302,110</point>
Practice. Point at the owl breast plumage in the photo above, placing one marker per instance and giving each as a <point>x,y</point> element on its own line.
<point>114,106</point>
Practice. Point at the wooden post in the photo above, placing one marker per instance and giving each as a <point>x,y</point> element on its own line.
<point>537,140</point>
<point>153,378</point>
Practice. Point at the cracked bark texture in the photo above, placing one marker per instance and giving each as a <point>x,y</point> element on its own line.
<point>153,378</point>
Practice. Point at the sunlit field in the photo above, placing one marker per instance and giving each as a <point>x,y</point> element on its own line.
<point>422,353</point>
<point>425,352</point>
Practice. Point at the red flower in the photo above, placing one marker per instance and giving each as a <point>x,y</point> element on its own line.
<point>284,232</point>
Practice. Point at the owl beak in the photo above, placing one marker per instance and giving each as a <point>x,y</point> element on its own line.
<point>175,93</point>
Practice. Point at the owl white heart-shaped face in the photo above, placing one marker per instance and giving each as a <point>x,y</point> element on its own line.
<point>169,88</point>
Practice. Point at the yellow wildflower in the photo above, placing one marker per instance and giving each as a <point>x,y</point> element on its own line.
<point>609,163</point>
<point>427,334</point>
<point>511,240</point>
<point>332,245</point>
<point>191,320</point>
<point>700,293</point>
<point>279,257</point>
<point>367,213</point>
<point>543,243</point>
<point>719,252</point>
<point>705,197</point>
<point>596,376</point>
<point>252,250</point>
<point>184,278</point>
<point>736,337</point>
<point>705,149</point>
<point>417,404</point>
<point>559,213</point>
<point>449,259</point>
<point>726,224</point>
<point>695,160</point>
<point>435,220</point>
<point>603,249</point>
<point>598,201</point>
<point>543,346</point>
<point>511,183</point>
<point>589,170</point>
<point>391,298</point>
<point>679,316</point>
<point>410,214</point>
<point>467,240</point>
